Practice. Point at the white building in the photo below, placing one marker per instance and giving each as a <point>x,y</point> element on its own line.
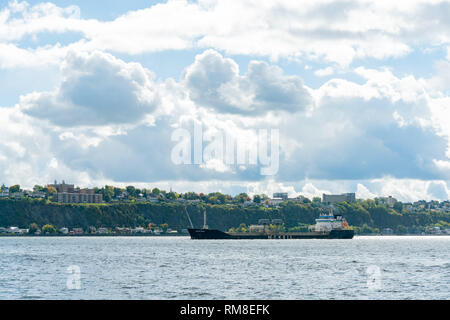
<point>102,231</point>
<point>275,202</point>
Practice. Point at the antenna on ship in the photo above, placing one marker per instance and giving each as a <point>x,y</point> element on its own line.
<point>205,226</point>
<point>189,218</point>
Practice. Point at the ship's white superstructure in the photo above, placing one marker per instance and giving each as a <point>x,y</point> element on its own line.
<point>328,222</point>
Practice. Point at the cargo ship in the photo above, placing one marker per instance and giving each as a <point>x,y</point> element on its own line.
<point>328,226</point>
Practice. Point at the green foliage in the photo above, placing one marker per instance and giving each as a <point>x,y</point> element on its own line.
<point>156,192</point>
<point>108,193</point>
<point>172,196</point>
<point>276,228</point>
<point>401,229</point>
<point>398,206</point>
<point>48,229</point>
<point>302,227</point>
<point>241,198</point>
<point>296,216</point>
<point>131,191</point>
<point>33,228</point>
<point>49,190</point>
<point>14,188</point>
<point>164,227</point>
<point>38,188</point>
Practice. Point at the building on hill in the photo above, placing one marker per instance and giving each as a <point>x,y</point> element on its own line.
<point>4,191</point>
<point>390,201</point>
<point>63,187</point>
<point>335,198</point>
<point>66,193</point>
<point>282,195</point>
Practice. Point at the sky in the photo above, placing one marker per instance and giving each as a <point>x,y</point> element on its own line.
<point>92,92</point>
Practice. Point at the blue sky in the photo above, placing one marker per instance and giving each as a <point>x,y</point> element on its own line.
<point>92,91</point>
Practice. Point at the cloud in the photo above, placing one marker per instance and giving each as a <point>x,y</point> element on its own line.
<point>328,71</point>
<point>97,89</point>
<point>109,120</point>
<point>214,82</point>
<point>337,31</point>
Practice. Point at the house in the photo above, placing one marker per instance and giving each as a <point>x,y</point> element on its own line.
<point>16,195</point>
<point>4,192</point>
<point>153,199</point>
<point>275,202</point>
<point>435,230</point>
<point>123,230</point>
<point>248,203</point>
<point>390,201</point>
<point>76,231</point>
<point>16,230</point>
<point>38,194</point>
<point>64,230</point>
<point>102,231</point>
<point>138,230</point>
<point>299,199</point>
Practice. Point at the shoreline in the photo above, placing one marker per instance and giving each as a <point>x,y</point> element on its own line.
<point>187,235</point>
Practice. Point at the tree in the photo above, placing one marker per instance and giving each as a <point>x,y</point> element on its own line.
<point>131,191</point>
<point>242,228</point>
<point>117,192</point>
<point>241,198</point>
<point>164,227</point>
<point>221,198</point>
<point>156,192</point>
<point>108,193</point>
<point>49,190</point>
<point>14,188</point>
<point>172,196</point>
<point>398,206</point>
<point>38,188</point>
<point>401,229</point>
<point>316,200</point>
<point>48,229</point>
<point>190,196</point>
<point>33,228</point>
<point>257,199</point>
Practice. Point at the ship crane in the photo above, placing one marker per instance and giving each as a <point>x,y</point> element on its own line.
<point>205,226</point>
<point>189,218</point>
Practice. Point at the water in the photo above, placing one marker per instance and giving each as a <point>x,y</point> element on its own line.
<point>180,268</point>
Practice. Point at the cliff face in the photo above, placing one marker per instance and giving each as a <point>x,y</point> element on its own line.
<point>22,213</point>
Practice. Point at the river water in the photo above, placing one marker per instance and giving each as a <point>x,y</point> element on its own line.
<point>375,267</point>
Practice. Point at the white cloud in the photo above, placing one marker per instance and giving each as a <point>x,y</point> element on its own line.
<point>330,31</point>
<point>363,192</point>
<point>97,89</point>
<point>355,134</point>
<point>214,82</point>
<point>328,71</point>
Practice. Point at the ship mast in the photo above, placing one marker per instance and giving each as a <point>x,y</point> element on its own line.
<point>189,218</point>
<point>205,226</point>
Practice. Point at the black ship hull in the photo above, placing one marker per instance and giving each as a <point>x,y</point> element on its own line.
<point>211,234</point>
